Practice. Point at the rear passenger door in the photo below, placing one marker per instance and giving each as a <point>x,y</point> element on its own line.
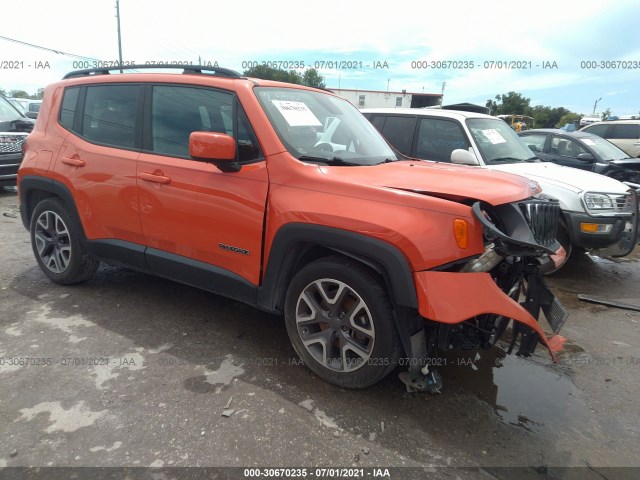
<point>97,161</point>
<point>198,221</point>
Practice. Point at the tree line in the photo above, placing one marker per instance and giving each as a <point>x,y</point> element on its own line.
<point>514,103</point>
<point>22,94</point>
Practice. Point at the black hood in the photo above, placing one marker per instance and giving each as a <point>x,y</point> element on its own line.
<point>17,125</point>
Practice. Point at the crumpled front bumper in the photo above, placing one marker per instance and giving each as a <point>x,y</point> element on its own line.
<point>454,297</point>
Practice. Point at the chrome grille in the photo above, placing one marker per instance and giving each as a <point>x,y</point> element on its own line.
<point>11,143</point>
<point>623,203</point>
<point>542,217</point>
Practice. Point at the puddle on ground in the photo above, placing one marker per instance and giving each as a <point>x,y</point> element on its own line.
<point>523,392</point>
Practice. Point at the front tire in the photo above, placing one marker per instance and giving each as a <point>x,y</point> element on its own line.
<point>340,322</point>
<point>55,239</point>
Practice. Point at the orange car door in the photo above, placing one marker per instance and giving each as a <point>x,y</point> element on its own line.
<point>197,219</point>
<point>98,159</point>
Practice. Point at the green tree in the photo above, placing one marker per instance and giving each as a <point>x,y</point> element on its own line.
<point>269,73</point>
<point>606,114</point>
<point>18,94</point>
<point>312,78</point>
<point>569,117</point>
<point>513,103</point>
<point>3,92</point>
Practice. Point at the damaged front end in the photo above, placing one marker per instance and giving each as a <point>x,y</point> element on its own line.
<point>470,305</point>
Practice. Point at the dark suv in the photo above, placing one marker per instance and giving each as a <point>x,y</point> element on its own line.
<point>14,128</point>
<point>285,197</point>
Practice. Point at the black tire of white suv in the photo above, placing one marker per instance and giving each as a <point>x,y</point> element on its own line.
<point>55,239</point>
<point>341,323</point>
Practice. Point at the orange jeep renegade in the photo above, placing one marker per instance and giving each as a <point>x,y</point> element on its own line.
<point>287,198</point>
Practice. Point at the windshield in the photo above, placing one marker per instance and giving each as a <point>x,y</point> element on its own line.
<point>318,127</point>
<point>497,142</point>
<point>604,149</point>
<point>8,112</point>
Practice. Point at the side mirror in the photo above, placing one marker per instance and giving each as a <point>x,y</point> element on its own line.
<point>586,157</point>
<point>464,157</point>
<point>217,148</point>
<point>32,115</point>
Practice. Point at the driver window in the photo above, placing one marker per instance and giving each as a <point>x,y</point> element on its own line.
<point>566,147</point>
<point>438,138</point>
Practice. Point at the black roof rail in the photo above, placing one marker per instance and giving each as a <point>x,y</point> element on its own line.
<point>190,69</point>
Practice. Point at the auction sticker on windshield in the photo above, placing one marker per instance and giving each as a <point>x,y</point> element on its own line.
<point>494,136</point>
<point>297,114</point>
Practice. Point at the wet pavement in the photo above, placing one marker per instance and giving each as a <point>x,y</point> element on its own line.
<point>132,370</point>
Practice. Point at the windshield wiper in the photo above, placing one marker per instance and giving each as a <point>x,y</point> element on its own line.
<point>532,159</point>
<point>329,161</point>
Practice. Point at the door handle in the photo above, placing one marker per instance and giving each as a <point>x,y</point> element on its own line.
<point>74,162</point>
<point>153,178</point>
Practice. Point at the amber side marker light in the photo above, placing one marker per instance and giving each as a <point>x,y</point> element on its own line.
<point>461,232</point>
<point>595,227</point>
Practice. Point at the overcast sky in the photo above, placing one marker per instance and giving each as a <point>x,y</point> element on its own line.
<point>370,33</point>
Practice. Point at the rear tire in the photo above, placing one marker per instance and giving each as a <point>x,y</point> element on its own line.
<point>340,322</point>
<point>57,246</point>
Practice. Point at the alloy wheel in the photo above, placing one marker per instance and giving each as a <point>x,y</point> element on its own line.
<point>335,325</point>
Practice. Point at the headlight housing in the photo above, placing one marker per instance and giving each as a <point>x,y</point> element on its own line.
<point>598,204</point>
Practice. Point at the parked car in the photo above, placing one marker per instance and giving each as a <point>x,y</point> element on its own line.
<point>589,119</point>
<point>365,253</point>
<point>584,151</point>
<point>625,134</point>
<point>598,212</point>
<point>14,128</point>
<point>29,107</point>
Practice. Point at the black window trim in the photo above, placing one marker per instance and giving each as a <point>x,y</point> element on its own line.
<point>76,129</point>
<point>147,140</point>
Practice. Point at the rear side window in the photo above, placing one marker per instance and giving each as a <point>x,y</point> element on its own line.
<point>177,111</point>
<point>110,115</point>
<point>535,142</point>
<point>378,121</point>
<point>438,138</point>
<point>599,130</point>
<point>625,131</point>
<point>68,109</point>
<point>399,132</point>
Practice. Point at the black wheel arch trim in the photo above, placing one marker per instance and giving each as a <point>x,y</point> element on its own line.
<point>31,183</point>
<point>291,242</point>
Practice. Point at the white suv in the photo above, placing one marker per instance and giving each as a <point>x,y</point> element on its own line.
<point>625,134</point>
<point>598,212</point>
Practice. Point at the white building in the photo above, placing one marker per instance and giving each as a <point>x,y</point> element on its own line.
<point>377,99</point>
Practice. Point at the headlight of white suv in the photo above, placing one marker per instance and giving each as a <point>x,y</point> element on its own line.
<point>607,203</point>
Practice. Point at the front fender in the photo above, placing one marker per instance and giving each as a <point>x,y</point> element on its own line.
<point>452,297</point>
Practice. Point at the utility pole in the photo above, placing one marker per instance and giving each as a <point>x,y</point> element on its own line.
<point>444,84</point>
<point>595,105</point>
<point>119,39</point>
